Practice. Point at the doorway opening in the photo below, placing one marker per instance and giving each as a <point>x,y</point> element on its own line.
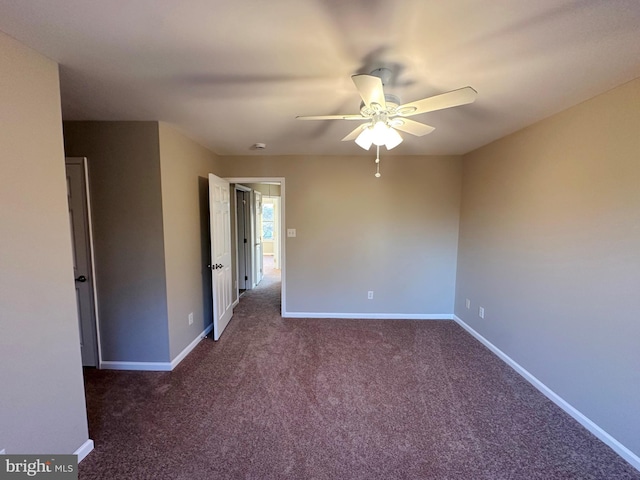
<point>258,217</point>
<point>243,238</point>
<point>83,259</point>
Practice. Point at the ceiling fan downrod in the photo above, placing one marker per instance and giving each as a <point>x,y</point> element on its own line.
<point>377,175</point>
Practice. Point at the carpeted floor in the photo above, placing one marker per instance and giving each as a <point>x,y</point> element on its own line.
<point>334,399</point>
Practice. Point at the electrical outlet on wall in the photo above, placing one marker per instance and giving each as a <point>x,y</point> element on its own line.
<point>191,318</point>
<point>468,304</point>
<point>481,312</point>
<point>370,295</point>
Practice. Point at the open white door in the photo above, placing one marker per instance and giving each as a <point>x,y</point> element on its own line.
<point>220,224</point>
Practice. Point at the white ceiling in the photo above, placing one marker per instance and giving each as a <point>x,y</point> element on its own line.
<point>231,73</point>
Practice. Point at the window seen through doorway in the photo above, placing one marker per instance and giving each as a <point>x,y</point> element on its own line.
<point>267,221</point>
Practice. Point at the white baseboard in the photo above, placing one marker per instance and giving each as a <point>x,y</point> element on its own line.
<point>142,366</point>
<point>370,316</point>
<point>191,346</point>
<point>615,445</point>
<point>235,304</point>
<point>84,450</point>
<point>156,366</point>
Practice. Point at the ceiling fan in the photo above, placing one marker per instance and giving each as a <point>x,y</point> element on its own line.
<point>384,114</point>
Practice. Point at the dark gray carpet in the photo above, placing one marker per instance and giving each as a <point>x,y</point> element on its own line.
<point>335,399</point>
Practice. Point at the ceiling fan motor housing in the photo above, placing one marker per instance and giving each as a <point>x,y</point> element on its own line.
<point>383,74</point>
<point>392,101</point>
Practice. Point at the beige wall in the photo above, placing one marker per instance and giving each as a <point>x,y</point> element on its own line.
<point>41,394</point>
<point>124,178</point>
<point>549,245</point>
<point>396,235</point>
<point>265,189</point>
<point>185,166</point>
<point>268,247</point>
<point>149,192</point>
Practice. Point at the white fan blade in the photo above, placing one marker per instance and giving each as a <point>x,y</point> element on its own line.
<point>370,89</point>
<point>414,128</point>
<point>454,98</point>
<point>354,134</point>
<point>331,117</point>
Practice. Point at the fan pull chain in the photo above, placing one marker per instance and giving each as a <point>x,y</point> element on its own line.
<point>377,175</point>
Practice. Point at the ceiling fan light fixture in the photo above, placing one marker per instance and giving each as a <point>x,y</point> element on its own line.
<point>393,139</point>
<point>380,132</point>
<point>383,134</point>
<point>365,139</point>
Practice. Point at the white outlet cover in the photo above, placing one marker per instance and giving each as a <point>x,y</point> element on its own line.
<point>481,312</point>
<point>291,232</point>
<point>468,304</point>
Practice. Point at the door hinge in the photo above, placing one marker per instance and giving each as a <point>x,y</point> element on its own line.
<point>246,278</point>
<point>245,240</point>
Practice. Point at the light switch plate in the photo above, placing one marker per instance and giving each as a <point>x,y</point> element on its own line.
<point>291,232</point>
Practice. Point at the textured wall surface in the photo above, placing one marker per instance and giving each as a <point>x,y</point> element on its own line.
<point>41,390</point>
<point>185,166</point>
<point>549,235</point>
<point>396,235</point>
<point>124,177</point>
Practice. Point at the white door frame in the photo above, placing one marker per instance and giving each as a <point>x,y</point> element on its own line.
<point>277,222</point>
<point>247,209</point>
<point>283,263</point>
<point>94,282</point>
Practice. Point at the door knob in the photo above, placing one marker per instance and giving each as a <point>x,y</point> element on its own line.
<point>81,279</point>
